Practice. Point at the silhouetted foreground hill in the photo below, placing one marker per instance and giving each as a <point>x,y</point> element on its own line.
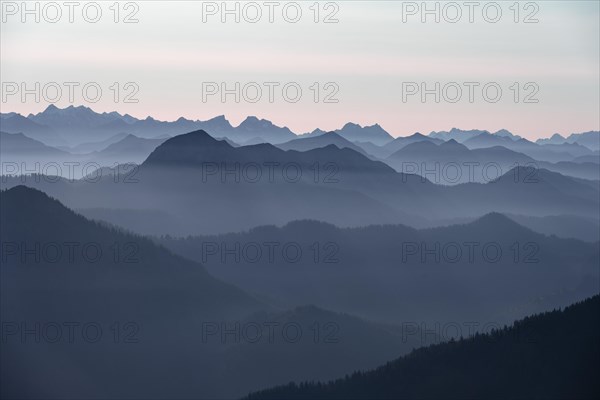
<point>554,355</point>
<point>45,243</point>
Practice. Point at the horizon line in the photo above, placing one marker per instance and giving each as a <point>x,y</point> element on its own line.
<point>71,106</point>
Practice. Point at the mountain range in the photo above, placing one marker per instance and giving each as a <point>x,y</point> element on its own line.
<point>205,184</point>
<point>73,125</point>
<point>454,162</point>
<point>588,139</point>
<point>84,134</point>
<point>167,229</point>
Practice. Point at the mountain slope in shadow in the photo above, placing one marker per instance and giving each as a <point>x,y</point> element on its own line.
<point>147,313</point>
<point>554,355</point>
<point>56,236</point>
<point>145,307</point>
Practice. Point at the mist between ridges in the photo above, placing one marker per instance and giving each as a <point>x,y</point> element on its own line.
<point>57,171</point>
<point>220,253</point>
<point>443,173</point>
<point>324,332</point>
<point>207,172</point>
<point>271,252</point>
<point>259,332</point>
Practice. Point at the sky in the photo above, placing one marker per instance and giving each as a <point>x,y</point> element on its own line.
<point>533,69</point>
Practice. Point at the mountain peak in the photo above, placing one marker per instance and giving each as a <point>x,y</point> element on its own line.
<point>351,125</point>
<point>20,190</point>
<point>373,133</point>
<point>253,122</point>
<point>34,202</point>
<point>253,119</point>
<point>79,108</point>
<point>453,144</point>
<point>195,137</point>
<point>51,108</point>
<point>219,124</point>
<point>498,222</point>
<point>130,136</point>
<point>220,118</point>
<point>189,148</point>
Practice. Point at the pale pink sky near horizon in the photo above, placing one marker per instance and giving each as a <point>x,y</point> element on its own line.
<point>369,54</point>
